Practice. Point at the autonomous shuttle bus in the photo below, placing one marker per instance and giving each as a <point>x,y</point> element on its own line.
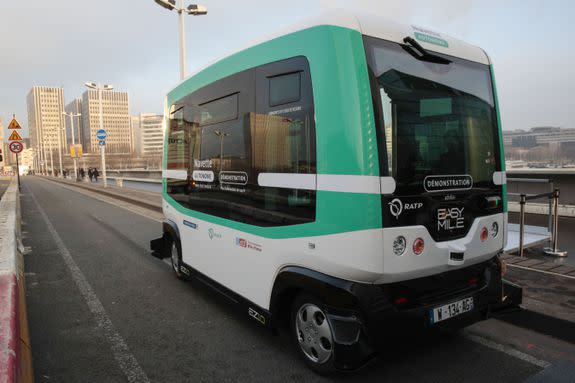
<point>343,177</point>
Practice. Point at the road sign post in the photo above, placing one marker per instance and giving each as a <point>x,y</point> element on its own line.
<point>101,135</point>
<point>15,145</point>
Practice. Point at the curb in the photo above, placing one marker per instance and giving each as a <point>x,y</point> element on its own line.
<point>108,192</point>
<point>15,351</point>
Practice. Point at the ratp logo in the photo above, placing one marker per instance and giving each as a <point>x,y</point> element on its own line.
<point>212,234</point>
<point>395,207</point>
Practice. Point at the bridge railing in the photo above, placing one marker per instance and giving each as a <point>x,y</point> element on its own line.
<point>552,196</point>
<point>15,353</point>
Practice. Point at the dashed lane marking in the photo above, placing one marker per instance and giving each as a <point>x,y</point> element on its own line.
<point>507,350</point>
<point>125,359</point>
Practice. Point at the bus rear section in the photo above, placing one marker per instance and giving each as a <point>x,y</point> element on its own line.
<point>444,225</point>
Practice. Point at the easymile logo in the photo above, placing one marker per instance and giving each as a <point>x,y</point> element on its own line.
<point>396,207</point>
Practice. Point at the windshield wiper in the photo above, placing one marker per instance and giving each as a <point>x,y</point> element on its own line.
<point>419,52</point>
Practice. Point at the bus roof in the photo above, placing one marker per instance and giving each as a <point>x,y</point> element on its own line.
<point>374,26</point>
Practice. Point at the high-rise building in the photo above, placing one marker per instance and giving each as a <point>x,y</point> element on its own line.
<point>148,134</point>
<point>2,154</point>
<point>116,121</point>
<point>136,135</point>
<point>74,107</point>
<point>46,124</point>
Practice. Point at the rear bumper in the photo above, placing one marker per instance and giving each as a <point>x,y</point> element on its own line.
<point>390,311</point>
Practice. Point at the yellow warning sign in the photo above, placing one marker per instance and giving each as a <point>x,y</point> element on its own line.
<point>15,136</point>
<point>76,151</point>
<point>14,124</point>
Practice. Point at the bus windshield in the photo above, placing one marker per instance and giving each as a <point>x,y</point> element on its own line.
<point>435,119</point>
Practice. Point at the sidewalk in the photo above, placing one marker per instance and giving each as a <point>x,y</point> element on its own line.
<point>149,200</point>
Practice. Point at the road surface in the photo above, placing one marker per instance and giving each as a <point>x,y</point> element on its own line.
<point>101,309</point>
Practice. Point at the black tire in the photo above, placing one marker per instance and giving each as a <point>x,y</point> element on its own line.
<point>315,349</point>
<point>175,252</point>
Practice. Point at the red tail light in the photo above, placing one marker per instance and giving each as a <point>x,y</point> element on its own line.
<point>484,234</point>
<point>400,300</point>
<point>418,246</point>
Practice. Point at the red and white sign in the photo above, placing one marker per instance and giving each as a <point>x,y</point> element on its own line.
<point>16,147</point>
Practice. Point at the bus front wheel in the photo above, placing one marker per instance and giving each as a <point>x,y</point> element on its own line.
<point>312,334</point>
<point>176,257</point>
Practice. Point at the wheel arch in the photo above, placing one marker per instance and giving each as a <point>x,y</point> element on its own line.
<point>169,227</point>
<point>292,280</point>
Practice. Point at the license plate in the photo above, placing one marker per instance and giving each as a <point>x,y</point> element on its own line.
<point>450,310</point>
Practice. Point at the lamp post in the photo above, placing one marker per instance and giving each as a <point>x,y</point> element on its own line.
<point>61,174</point>
<point>221,135</point>
<point>101,88</point>
<point>51,154</point>
<point>192,9</point>
<point>72,115</point>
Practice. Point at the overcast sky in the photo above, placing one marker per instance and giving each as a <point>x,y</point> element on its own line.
<point>133,45</point>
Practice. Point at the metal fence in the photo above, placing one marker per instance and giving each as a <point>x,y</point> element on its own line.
<point>552,197</point>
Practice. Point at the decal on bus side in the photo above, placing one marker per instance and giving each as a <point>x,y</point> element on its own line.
<point>257,316</point>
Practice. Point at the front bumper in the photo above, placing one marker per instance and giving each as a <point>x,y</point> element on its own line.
<point>404,308</point>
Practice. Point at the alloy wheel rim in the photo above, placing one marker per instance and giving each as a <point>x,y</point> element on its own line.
<point>314,333</point>
<point>175,258</point>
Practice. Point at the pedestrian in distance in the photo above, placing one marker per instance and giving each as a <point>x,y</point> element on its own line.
<point>91,174</point>
<point>82,173</point>
<point>96,174</point>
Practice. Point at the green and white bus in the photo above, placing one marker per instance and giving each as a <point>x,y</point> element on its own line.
<point>343,177</point>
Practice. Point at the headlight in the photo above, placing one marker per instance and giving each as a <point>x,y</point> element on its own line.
<point>399,245</point>
<point>494,229</point>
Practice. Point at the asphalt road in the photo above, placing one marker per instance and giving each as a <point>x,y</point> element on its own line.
<point>101,309</point>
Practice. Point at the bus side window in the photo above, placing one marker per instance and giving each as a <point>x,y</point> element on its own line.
<point>252,122</point>
<point>283,136</point>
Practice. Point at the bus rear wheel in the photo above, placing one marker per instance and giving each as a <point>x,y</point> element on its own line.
<point>176,257</point>
<point>312,334</point>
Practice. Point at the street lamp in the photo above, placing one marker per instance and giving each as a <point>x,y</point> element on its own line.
<point>221,135</point>
<point>192,9</point>
<point>72,115</point>
<point>101,88</point>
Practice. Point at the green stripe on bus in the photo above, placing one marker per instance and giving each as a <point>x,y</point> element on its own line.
<point>336,213</point>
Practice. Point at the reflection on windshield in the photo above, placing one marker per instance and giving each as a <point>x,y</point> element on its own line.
<point>438,119</point>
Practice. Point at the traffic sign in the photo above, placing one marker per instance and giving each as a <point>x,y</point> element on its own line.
<point>101,134</point>
<point>14,124</point>
<point>76,151</point>
<point>102,142</point>
<point>15,136</point>
<point>16,147</point>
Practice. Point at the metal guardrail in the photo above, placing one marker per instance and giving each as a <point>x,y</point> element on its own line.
<point>553,220</point>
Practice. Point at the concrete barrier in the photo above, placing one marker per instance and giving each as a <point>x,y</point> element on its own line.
<point>15,352</point>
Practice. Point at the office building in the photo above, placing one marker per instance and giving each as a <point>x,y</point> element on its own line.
<point>148,134</point>
<point>116,122</point>
<point>46,124</point>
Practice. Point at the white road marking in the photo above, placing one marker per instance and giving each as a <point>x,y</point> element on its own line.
<point>125,359</point>
<point>507,350</point>
<point>541,271</point>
